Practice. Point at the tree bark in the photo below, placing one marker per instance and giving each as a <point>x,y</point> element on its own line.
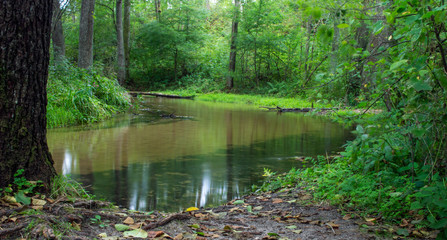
<point>25,28</point>
<point>121,64</point>
<point>85,57</point>
<point>234,30</point>
<point>57,33</point>
<point>126,37</point>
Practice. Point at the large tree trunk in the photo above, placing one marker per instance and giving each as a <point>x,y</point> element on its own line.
<point>157,10</point>
<point>234,30</point>
<point>25,28</point>
<point>85,58</point>
<point>126,37</point>
<point>57,33</point>
<point>121,71</point>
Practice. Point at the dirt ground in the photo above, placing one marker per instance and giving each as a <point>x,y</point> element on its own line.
<point>286,214</point>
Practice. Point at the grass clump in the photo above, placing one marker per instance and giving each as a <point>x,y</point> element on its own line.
<point>64,186</point>
<point>77,96</point>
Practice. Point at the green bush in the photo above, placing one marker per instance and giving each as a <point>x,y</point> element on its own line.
<point>82,96</point>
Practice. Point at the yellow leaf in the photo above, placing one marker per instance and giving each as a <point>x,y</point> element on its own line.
<point>192,209</point>
<point>129,221</point>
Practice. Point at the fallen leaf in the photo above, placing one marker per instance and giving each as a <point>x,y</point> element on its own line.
<point>235,209</point>
<point>129,221</point>
<point>277,200</point>
<point>238,202</point>
<point>201,216</point>
<point>258,208</point>
<point>138,233</point>
<point>37,207</point>
<point>76,226</point>
<point>292,201</point>
<point>38,202</point>
<point>154,234</point>
<point>316,222</point>
<point>273,234</point>
<point>121,227</point>
<point>136,225</point>
<point>9,199</point>
<point>370,219</point>
<point>249,209</point>
<point>227,228</point>
<point>102,235</point>
<point>190,209</point>
<point>333,225</point>
<point>194,226</point>
<point>51,201</point>
<point>347,217</point>
<point>417,234</point>
<point>291,227</point>
<point>297,231</point>
<point>306,197</point>
<point>4,218</point>
<point>404,223</point>
<point>13,219</point>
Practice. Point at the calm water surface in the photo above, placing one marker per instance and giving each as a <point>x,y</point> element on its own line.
<point>213,154</point>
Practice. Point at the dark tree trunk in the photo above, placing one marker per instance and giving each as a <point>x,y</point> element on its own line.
<point>234,30</point>
<point>121,70</point>
<point>85,58</point>
<point>25,28</point>
<point>57,34</point>
<point>126,36</point>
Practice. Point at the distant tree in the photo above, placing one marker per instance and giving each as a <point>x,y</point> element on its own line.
<point>25,28</point>
<point>121,64</point>
<point>126,36</point>
<point>85,57</point>
<point>57,33</point>
<point>234,29</point>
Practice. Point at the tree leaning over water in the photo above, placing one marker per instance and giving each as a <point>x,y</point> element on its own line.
<point>25,28</point>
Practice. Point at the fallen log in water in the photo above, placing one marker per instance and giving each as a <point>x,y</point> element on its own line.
<point>134,94</point>
<point>279,109</point>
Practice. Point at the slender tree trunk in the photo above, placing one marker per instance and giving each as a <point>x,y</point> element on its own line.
<point>234,30</point>
<point>121,61</point>
<point>25,29</point>
<point>335,40</point>
<point>157,10</point>
<point>85,58</point>
<point>57,33</point>
<point>307,48</point>
<point>126,37</point>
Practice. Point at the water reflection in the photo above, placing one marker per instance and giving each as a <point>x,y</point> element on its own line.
<point>143,162</point>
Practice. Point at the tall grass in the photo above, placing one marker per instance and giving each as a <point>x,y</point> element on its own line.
<point>77,96</point>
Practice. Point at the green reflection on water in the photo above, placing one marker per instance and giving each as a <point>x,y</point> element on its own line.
<point>144,162</point>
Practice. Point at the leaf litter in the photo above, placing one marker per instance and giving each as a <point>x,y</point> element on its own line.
<point>285,214</point>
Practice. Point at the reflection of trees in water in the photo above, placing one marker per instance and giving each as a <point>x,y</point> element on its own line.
<point>181,164</point>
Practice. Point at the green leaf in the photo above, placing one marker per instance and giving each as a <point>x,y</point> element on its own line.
<point>200,233</point>
<point>273,234</point>
<point>402,232</point>
<point>398,64</point>
<point>291,227</point>
<point>21,198</point>
<point>137,233</point>
<point>238,202</point>
<point>421,86</point>
<point>343,25</point>
<point>416,205</point>
<point>121,227</point>
<point>439,224</point>
<point>249,209</point>
<point>196,226</point>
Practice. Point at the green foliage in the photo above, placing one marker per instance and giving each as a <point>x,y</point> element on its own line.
<point>21,187</point>
<point>82,96</point>
<point>97,220</point>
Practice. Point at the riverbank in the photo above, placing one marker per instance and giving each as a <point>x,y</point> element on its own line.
<point>286,214</point>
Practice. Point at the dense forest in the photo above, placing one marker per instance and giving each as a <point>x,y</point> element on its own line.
<point>388,55</point>
<point>385,55</point>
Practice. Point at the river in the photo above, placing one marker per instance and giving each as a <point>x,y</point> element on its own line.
<point>204,155</point>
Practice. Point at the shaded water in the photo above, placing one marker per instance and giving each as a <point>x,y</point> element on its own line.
<point>213,155</point>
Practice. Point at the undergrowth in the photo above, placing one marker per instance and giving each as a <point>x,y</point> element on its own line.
<point>77,96</point>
